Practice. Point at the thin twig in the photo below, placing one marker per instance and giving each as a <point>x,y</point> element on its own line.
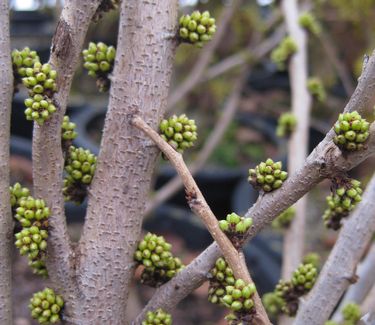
<point>205,57</point>
<point>6,228</point>
<point>326,160</point>
<point>339,66</point>
<point>339,270</point>
<point>200,207</point>
<point>298,143</point>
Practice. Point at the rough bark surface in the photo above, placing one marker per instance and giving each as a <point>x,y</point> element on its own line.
<point>326,160</point>
<point>139,85</point>
<point>339,270</point>
<point>6,223</point>
<point>48,161</point>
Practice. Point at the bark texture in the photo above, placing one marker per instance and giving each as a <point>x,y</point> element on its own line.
<point>48,161</point>
<point>339,270</point>
<point>139,85</point>
<point>6,223</point>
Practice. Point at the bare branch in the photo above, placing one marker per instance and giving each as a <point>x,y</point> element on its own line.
<point>298,143</point>
<point>204,58</point>
<point>339,270</point>
<point>6,224</point>
<point>48,162</point>
<point>139,84</point>
<point>339,66</point>
<point>200,207</point>
<point>358,291</point>
<point>250,54</point>
<point>368,305</point>
<point>326,160</point>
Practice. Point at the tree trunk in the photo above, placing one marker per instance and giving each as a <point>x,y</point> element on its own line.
<point>139,85</point>
<point>6,223</point>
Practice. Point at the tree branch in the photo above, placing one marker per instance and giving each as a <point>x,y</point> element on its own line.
<point>226,117</point>
<point>250,54</point>
<point>339,270</point>
<point>6,223</point>
<point>205,57</point>
<point>139,84</point>
<point>298,143</point>
<point>358,291</point>
<point>200,207</point>
<point>368,305</point>
<point>326,160</point>
<point>48,162</point>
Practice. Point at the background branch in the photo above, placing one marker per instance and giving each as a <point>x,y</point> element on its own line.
<point>368,305</point>
<point>358,291</point>
<point>298,143</point>
<point>205,57</point>
<point>200,207</point>
<point>339,270</point>
<point>6,223</point>
<point>47,157</point>
<point>324,161</point>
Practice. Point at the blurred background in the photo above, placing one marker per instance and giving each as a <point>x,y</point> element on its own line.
<point>230,84</point>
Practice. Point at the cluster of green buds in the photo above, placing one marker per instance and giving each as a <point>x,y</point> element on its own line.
<point>158,316</point>
<point>289,292</point>
<point>351,313</point>
<point>286,124</point>
<point>40,80</point>
<point>308,21</point>
<point>22,60</point>
<point>99,60</point>
<point>272,303</point>
<point>351,131</point>
<point>268,175</point>
<point>238,298</point>
<point>39,108</point>
<point>68,134</point>
<point>312,258</point>
<point>68,129</point>
<point>221,276</point>
<point>304,277</point>
<point>284,220</point>
<point>345,195</point>
<point>179,131</point>
<point>46,306</point>
<point>316,89</point>
<point>197,28</point>
<point>17,192</point>
<point>31,211</point>
<point>235,227</point>
<point>104,7</point>
<point>80,168</point>
<point>154,253</point>
<point>281,54</point>
<point>31,240</point>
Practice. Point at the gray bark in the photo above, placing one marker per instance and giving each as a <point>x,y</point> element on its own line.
<point>6,223</point>
<point>139,85</point>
